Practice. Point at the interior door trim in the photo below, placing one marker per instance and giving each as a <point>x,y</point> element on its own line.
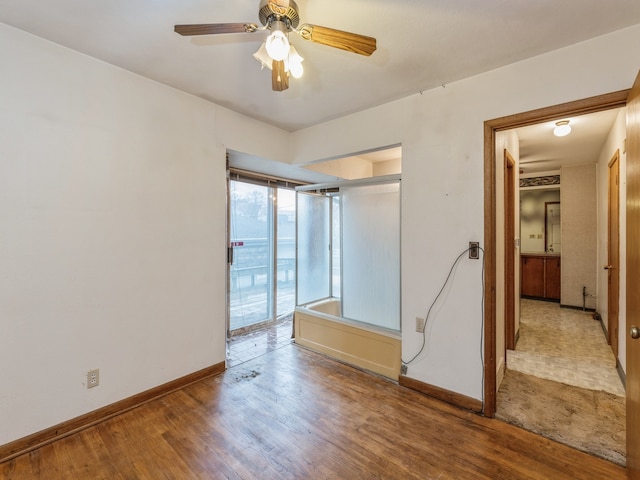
<point>491,127</point>
<point>509,252</point>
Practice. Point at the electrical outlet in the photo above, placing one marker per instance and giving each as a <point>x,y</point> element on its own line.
<point>420,324</point>
<point>93,378</point>
<point>474,250</point>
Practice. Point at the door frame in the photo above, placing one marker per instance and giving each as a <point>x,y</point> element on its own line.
<point>509,252</point>
<point>491,127</point>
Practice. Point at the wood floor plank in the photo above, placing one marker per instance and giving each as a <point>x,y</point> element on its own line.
<point>295,414</point>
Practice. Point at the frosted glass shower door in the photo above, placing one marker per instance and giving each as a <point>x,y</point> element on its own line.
<point>371,254</point>
<point>313,247</point>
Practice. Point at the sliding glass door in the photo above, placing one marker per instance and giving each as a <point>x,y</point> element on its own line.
<point>261,286</point>
<point>251,257</point>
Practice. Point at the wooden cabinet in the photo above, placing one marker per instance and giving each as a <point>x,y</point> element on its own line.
<point>532,276</point>
<point>540,276</point>
<point>552,278</point>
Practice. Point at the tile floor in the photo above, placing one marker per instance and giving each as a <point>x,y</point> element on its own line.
<point>564,345</point>
<point>251,345</point>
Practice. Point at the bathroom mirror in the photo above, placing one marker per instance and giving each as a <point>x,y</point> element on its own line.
<point>533,219</point>
<point>552,230</point>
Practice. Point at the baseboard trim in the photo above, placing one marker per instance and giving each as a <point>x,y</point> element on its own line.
<point>447,396</point>
<point>598,318</point>
<point>621,374</point>
<point>64,429</point>
<point>542,299</point>
<point>573,307</point>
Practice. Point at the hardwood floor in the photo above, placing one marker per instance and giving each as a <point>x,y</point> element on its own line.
<point>294,414</point>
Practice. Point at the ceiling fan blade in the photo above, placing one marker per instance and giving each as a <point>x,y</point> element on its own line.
<point>214,28</point>
<point>279,78</point>
<point>279,7</point>
<point>352,42</point>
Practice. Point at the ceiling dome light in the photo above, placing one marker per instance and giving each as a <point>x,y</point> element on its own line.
<point>562,128</point>
<point>277,45</point>
<point>294,63</point>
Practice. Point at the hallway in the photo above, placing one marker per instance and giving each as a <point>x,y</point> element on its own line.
<point>564,345</point>
<point>570,384</point>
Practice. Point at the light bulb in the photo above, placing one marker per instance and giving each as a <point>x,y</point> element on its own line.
<point>277,45</point>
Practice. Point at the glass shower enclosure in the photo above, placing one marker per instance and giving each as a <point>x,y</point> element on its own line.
<point>348,251</point>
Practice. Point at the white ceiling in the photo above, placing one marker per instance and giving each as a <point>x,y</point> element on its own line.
<point>542,151</point>
<point>421,44</point>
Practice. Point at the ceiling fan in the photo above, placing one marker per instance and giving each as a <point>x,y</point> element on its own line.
<point>281,17</point>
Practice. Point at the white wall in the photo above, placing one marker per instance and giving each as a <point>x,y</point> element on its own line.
<point>112,231</point>
<point>388,167</point>
<point>441,132</point>
<point>579,235</point>
<point>614,142</point>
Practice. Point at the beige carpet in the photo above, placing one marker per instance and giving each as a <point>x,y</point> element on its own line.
<point>589,420</point>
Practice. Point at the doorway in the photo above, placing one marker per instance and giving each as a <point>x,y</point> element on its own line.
<point>261,281</point>
<point>262,256</point>
<point>491,128</point>
<point>546,353</point>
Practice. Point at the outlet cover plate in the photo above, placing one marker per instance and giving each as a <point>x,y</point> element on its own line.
<point>474,250</point>
<point>93,378</point>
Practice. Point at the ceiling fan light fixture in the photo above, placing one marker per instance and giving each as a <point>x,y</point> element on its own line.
<point>281,17</point>
<point>562,128</point>
<point>277,45</point>
<point>294,63</point>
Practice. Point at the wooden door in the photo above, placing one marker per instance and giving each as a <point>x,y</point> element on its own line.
<point>509,251</point>
<point>613,266</point>
<point>633,274</point>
